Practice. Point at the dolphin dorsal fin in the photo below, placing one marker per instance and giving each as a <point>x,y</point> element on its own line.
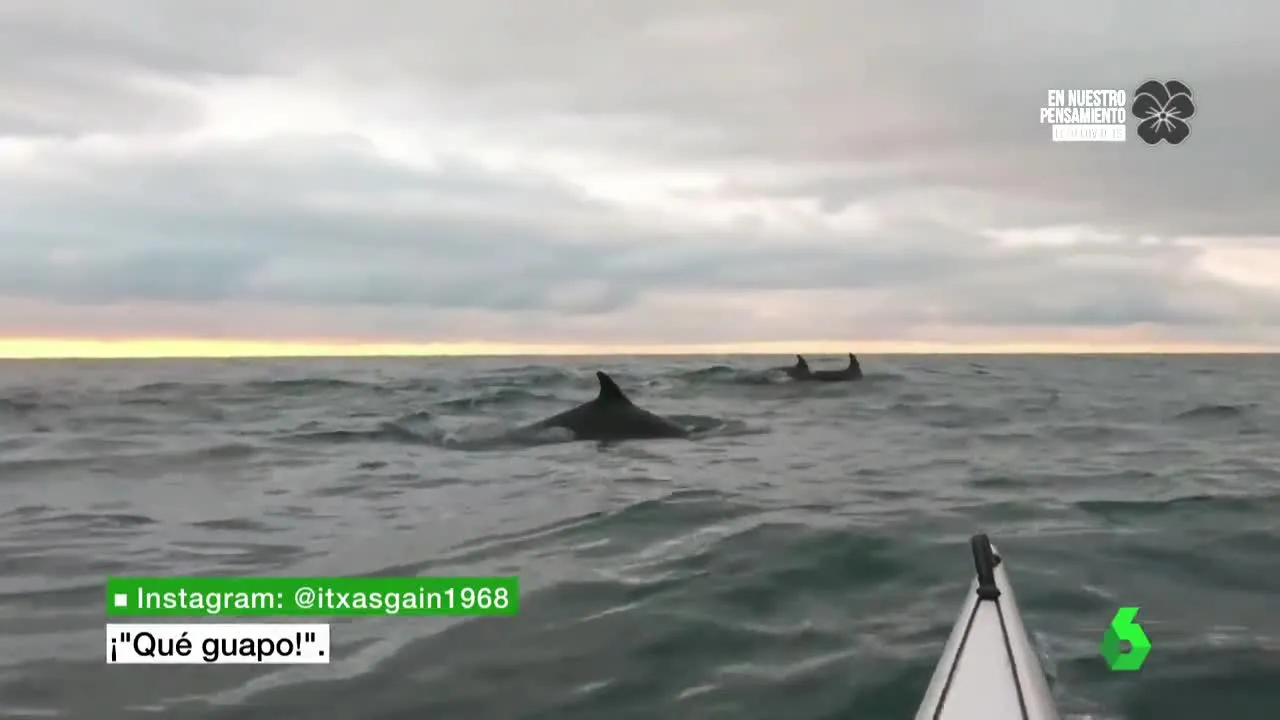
<point>609,390</point>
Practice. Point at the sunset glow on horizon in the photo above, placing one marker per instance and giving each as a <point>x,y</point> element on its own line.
<point>174,348</point>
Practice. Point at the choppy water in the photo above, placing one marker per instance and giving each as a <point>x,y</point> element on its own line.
<point>803,560</point>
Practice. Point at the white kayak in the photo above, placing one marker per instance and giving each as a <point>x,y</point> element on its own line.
<point>989,670</point>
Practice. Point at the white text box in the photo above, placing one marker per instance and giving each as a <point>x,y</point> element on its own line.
<point>220,644</point>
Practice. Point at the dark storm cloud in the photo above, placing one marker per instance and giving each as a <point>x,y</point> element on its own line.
<point>840,105</point>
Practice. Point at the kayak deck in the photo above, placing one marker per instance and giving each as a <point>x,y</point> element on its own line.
<point>989,669</point>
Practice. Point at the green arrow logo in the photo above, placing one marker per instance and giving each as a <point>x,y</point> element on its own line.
<point>1124,629</point>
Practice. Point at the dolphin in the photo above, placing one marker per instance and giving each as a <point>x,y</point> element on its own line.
<point>801,371</point>
<point>611,416</point>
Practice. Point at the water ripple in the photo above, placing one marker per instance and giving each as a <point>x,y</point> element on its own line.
<point>803,559</point>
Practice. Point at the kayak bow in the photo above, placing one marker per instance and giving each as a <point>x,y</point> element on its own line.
<point>989,670</point>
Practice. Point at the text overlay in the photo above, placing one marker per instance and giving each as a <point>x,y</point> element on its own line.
<point>222,644</point>
<point>310,597</point>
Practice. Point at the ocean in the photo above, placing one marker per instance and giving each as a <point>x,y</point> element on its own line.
<point>804,558</point>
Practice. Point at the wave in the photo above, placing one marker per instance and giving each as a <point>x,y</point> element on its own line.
<point>425,428</point>
<point>727,375</point>
<point>37,515</point>
<point>496,398</point>
<point>445,412</point>
<point>527,375</point>
<point>730,375</point>
<point>1126,510</point>
<point>386,432</point>
<point>45,468</point>
<point>1215,412</point>
<point>18,406</point>
<point>495,388</point>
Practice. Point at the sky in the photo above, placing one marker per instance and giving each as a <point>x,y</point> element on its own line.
<point>228,177</point>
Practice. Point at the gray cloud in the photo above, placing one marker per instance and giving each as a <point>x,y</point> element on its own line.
<point>539,136</point>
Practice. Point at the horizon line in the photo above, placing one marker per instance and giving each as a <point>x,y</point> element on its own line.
<point>195,349</point>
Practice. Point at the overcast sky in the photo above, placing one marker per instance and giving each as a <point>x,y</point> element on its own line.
<point>631,172</point>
